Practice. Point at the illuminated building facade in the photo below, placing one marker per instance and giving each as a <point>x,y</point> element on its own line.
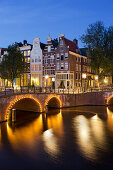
<point>49,63</point>
<point>70,65</point>
<point>24,79</point>
<point>36,63</point>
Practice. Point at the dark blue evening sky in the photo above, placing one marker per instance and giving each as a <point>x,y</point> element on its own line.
<point>26,19</point>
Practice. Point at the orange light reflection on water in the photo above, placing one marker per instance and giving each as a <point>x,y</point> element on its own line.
<point>24,136</point>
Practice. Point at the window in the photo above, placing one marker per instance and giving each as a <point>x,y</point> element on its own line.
<point>28,59</point>
<point>62,57</point>
<point>39,67</point>
<point>28,52</point>
<point>77,59</point>
<point>58,57</point>
<point>52,56</point>
<point>51,61</point>
<point>36,60</point>
<point>76,67</point>
<point>36,67</point>
<point>52,72</point>
<point>61,42</point>
<point>62,65</point>
<point>79,76</point>
<point>46,59</point>
<point>49,48</point>
<point>32,60</point>
<point>66,66</point>
<point>58,66</point>
<point>61,49</point>
<point>32,67</point>
<point>79,67</point>
<point>39,59</point>
<point>76,76</point>
<point>66,55</point>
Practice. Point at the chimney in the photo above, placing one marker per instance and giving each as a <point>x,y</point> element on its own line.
<point>76,42</point>
<point>25,42</point>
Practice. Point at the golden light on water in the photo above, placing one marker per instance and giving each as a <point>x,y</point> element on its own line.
<point>25,135</point>
<point>110,120</point>
<point>50,143</point>
<point>89,133</point>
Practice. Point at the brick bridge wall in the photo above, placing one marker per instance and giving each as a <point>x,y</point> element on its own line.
<point>39,101</point>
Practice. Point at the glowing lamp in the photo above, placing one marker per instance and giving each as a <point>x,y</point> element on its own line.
<point>53,79</point>
<point>105,80</point>
<point>84,75</point>
<point>96,77</point>
<point>46,76</point>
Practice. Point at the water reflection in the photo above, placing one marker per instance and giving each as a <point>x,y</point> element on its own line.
<point>51,143</point>
<point>61,136</point>
<point>110,119</point>
<point>24,136</point>
<point>90,135</point>
<point>28,135</point>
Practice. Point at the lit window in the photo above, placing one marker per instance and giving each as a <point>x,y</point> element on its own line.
<point>32,67</point>
<point>36,67</point>
<point>39,67</point>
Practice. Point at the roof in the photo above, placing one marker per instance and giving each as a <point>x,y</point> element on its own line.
<point>42,45</point>
<point>55,42</point>
<point>72,46</point>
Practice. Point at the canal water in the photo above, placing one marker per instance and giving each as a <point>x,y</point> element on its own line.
<point>68,139</point>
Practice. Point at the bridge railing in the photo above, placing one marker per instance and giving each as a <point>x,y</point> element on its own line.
<point>24,90</point>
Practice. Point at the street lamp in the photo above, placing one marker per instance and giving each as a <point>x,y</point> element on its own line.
<point>84,75</point>
<point>96,77</point>
<point>105,80</point>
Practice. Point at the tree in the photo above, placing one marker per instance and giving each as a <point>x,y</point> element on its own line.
<point>13,64</point>
<point>100,41</point>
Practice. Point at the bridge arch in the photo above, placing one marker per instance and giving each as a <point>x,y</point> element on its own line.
<point>24,102</point>
<point>110,100</point>
<point>53,101</point>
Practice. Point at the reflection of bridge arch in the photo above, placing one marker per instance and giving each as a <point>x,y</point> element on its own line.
<point>53,101</point>
<point>24,102</point>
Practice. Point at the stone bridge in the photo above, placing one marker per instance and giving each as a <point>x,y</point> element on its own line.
<point>39,102</point>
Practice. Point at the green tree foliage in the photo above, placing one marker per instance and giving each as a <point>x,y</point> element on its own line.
<point>13,64</point>
<point>99,40</point>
